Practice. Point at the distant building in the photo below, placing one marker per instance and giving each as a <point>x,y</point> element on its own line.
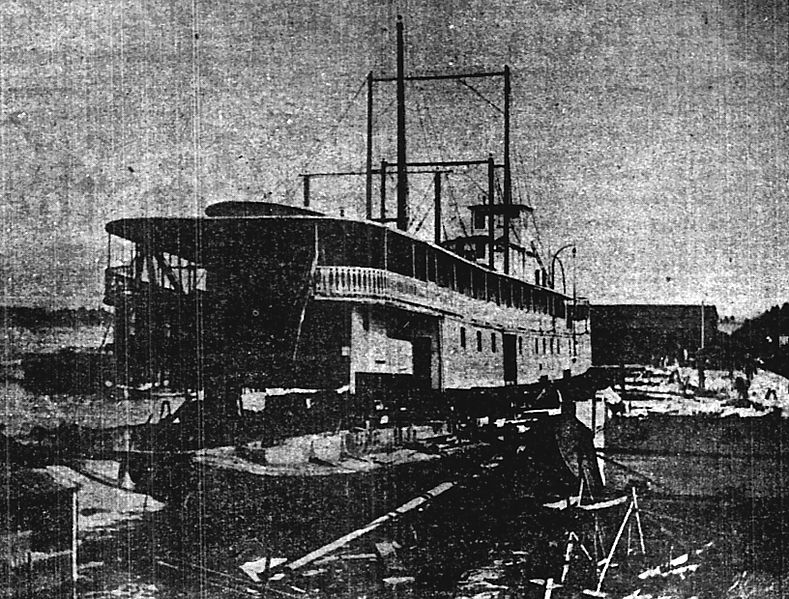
<point>651,334</point>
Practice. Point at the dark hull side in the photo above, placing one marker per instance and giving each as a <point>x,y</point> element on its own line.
<point>243,332</point>
<point>289,515</point>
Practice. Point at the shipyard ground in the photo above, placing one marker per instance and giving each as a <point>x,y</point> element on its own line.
<point>491,541</point>
<point>481,547</point>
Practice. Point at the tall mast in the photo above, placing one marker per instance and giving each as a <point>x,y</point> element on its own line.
<point>402,176</point>
<point>437,208</point>
<point>491,217</point>
<point>507,173</point>
<point>369,158</point>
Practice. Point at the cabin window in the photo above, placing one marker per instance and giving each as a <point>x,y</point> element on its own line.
<point>466,250</point>
<point>544,346</point>
<point>536,345</point>
<point>479,250</point>
<point>479,340</point>
<point>520,346</point>
<point>559,308</point>
<point>463,337</point>
<point>551,344</point>
<point>479,219</point>
<point>558,346</point>
<point>463,274</point>
<point>431,265</point>
<point>445,267</point>
<point>506,292</point>
<point>493,342</point>
<point>478,276</point>
<point>493,287</point>
<point>420,261</point>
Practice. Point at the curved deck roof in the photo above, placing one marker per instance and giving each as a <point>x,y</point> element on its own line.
<point>209,241</point>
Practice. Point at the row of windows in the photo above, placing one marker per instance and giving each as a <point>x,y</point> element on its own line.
<point>542,345</point>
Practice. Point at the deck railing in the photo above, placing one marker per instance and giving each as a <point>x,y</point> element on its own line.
<point>376,284</point>
<point>372,283</point>
<point>120,281</point>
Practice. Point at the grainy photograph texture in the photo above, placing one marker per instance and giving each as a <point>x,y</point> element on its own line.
<point>378,298</point>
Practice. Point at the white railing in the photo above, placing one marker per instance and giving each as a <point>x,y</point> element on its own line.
<point>373,283</point>
<point>350,282</point>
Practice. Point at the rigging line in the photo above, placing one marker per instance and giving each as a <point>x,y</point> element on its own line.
<point>282,182</point>
<point>320,143</point>
<point>422,122</point>
<point>478,93</point>
<point>477,185</point>
<point>521,186</point>
<point>515,232</point>
<point>537,232</point>
<point>519,158</point>
<point>451,194</point>
<point>425,211</point>
<point>450,189</point>
<point>424,214</point>
<point>425,139</point>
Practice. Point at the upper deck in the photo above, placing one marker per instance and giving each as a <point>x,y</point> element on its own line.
<point>352,260</point>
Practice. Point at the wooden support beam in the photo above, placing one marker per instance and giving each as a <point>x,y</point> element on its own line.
<point>356,534</point>
<point>613,547</point>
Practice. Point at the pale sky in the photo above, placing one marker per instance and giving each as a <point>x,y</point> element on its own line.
<point>654,135</point>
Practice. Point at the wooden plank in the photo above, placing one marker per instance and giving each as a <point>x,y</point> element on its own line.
<point>604,505</point>
<point>356,534</point>
<point>562,504</point>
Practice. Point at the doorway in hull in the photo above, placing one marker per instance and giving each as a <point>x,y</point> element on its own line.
<point>510,349</point>
<point>423,358</point>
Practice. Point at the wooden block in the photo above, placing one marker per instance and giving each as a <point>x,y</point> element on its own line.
<point>388,554</point>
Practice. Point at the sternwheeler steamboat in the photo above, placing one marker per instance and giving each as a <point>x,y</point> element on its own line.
<point>321,348</point>
<point>263,295</point>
